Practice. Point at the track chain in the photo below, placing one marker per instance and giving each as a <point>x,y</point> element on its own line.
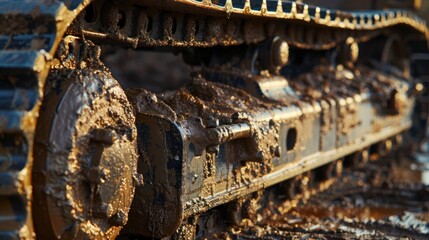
<point>227,22</point>
<point>29,31</point>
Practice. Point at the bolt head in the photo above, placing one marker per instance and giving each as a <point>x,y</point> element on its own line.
<point>212,122</point>
<point>280,53</point>
<point>105,136</point>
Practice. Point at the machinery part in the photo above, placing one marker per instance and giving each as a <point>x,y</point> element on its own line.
<point>274,55</point>
<point>159,24</point>
<point>367,4</point>
<point>347,53</point>
<point>176,133</point>
<point>85,156</point>
<point>30,33</point>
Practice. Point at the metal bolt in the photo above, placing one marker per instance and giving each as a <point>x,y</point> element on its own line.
<point>353,50</point>
<point>212,122</point>
<point>279,53</point>
<point>103,135</point>
<point>194,178</point>
<point>151,99</point>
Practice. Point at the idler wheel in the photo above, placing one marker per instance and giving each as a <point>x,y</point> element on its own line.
<point>84,158</point>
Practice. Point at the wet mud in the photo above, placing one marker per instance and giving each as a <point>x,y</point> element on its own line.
<point>388,199</point>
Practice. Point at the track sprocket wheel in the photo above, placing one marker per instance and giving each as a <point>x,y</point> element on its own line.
<point>84,158</point>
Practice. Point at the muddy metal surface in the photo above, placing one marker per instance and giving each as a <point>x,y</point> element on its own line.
<point>388,199</point>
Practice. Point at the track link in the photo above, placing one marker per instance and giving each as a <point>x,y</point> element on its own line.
<point>180,23</point>
<point>24,65</point>
<point>20,83</point>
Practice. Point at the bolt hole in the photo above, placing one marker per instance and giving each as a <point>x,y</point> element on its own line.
<point>90,13</point>
<point>122,19</point>
<point>291,139</point>
<point>174,26</point>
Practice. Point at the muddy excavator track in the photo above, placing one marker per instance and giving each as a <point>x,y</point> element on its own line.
<point>41,38</point>
<point>229,23</point>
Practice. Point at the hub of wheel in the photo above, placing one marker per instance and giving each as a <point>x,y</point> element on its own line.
<point>85,157</point>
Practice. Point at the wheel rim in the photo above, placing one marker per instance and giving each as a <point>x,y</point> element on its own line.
<point>85,157</point>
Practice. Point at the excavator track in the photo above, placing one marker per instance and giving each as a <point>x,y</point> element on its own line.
<point>228,23</point>
<point>31,33</point>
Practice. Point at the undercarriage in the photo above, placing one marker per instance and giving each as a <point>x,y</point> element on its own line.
<point>276,96</point>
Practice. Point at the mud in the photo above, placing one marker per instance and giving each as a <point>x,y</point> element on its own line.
<point>360,204</point>
<point>386,200</point>
<point>83,190</point>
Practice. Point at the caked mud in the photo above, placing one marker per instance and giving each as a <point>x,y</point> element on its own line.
<point>389,199</point>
